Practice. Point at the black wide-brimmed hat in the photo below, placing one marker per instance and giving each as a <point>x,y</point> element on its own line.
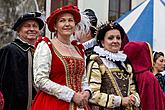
<point>92,17</point>
<point>29,16</point>
<point>93,20</point>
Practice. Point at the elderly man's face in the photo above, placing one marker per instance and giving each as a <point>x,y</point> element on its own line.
<point>29,31</point>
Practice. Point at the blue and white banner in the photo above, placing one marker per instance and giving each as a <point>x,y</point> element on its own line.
<point>146,22</point>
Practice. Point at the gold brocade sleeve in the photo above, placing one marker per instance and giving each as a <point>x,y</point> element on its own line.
<point>95,72</point>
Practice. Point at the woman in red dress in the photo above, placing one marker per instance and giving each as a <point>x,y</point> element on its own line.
<point>59,68</point>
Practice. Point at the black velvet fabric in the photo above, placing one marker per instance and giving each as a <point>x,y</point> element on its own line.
<point>14,75</point>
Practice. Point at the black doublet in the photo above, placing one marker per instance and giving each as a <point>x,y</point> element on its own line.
<point>14,75</point>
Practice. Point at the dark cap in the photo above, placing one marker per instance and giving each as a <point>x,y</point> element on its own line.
<point>29,16</point>
<point>92,17</point>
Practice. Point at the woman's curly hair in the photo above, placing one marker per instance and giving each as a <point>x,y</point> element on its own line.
<point>106,27</point>
<point>156,55</point>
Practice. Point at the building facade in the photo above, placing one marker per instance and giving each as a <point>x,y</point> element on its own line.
<point>105,10</point>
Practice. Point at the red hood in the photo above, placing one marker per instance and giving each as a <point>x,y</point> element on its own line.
<point>139,54</point>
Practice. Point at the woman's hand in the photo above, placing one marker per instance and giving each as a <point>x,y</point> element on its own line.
<point>78,98</point>
<point>86,96</point>
<point>132,99</point>
<point>128,101</point>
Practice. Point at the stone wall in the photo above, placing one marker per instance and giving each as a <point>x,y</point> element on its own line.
<point>10,10</point>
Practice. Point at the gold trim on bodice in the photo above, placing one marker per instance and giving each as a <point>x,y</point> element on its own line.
<point>120,81</point>
<point>72,64</point>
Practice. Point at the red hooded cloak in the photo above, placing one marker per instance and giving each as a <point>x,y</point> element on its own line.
<point>151,94</point>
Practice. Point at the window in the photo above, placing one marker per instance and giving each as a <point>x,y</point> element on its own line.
<point>117,8</point>
<point>58,3</point>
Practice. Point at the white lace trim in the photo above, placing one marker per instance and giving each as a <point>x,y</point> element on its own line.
<point>119,56</point>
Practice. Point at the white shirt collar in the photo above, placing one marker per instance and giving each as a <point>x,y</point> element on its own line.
<point>119,56</point>
<point>24,41</point>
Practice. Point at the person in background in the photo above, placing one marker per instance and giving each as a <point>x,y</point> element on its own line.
<point>59,67</point>
<point>164,76</point>
<point>158,67</point>
<point>164,68</point>
<point>82,28</point>
<point>86,30</point>
<point>110,74</point>
<point>16,63</point>
<point>151,94</point>
<point>163,73</point>
<point>164,81</point>
<point>88,21</point>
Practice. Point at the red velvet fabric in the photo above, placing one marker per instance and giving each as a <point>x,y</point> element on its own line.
<point>63,72</point>
<point>151,94</point>
<point>64,9</point>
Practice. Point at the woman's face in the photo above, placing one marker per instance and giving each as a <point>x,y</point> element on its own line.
<point>65,25</point>
<point>112,41</point>
<point>159,64</point>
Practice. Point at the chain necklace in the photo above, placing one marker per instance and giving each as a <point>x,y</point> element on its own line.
<point>65,49</point>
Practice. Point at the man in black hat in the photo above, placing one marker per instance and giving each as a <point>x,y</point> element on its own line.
<point>16,63</point>
<point>89,40</point>
<point>93,20</point>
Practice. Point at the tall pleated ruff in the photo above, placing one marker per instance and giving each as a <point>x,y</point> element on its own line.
<point>65,71</point>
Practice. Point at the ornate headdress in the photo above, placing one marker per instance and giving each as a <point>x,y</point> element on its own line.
<point>110,26</point>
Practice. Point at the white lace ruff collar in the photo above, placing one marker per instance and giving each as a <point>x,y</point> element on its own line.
<point>120,56</point>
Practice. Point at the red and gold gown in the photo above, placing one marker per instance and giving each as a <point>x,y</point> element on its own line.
<point>64,77</point>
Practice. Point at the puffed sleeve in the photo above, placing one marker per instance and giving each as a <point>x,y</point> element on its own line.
<point>41,68</point>
<point>99,98</point>
<point>85,85</point>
